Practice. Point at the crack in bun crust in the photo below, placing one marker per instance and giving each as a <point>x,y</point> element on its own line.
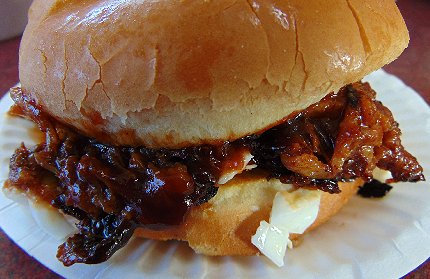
<point>141,73</point>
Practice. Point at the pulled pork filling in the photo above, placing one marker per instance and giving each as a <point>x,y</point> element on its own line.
<point>112,190</point>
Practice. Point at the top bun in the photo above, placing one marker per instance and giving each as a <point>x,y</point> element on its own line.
<point>169,73</point>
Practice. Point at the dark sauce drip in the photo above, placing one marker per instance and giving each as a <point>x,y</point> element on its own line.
<point>374,189</point>
<point>113,190</point>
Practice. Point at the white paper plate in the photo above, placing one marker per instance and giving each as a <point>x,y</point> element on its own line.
<point>369,238</point>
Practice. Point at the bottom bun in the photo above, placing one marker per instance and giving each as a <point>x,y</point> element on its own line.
<point>224,225</point>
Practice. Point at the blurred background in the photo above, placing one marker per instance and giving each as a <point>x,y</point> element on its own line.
<point>13,17</point>
<point>413,67</point>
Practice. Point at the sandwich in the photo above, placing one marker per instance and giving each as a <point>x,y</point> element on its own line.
<point>236,126</point>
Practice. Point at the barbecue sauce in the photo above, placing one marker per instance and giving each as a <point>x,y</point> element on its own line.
<point>112,190</point>
<point>374,189</point>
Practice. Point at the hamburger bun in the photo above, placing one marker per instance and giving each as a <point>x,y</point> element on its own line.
<point>225,224</point>
<point>180,73</point>
<point>162,75</point>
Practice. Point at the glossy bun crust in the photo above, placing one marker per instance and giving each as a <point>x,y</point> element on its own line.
<point>177,73</point>
<point>225,224</point>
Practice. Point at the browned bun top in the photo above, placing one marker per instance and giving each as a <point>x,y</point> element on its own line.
<point>174,73</point>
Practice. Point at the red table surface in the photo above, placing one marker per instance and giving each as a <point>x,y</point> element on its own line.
<point>413,67</point>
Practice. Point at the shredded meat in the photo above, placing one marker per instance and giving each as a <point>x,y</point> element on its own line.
<point>342,137</point>
<point>113,190</point>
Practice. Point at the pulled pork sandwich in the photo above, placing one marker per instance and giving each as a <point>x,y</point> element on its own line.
<point>211,122</point>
